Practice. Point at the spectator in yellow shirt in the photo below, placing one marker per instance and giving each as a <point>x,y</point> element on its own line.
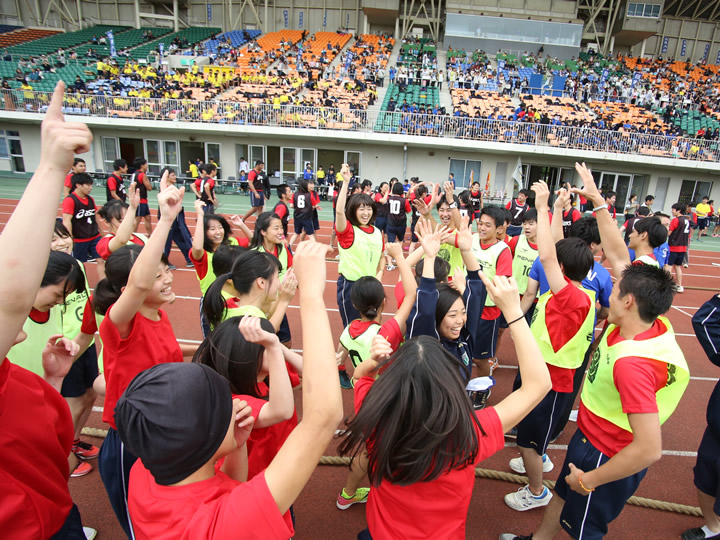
<point>703,214</point>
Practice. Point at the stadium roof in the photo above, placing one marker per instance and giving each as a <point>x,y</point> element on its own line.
<point>706,10</point>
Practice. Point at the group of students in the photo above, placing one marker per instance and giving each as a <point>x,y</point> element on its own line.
<point>204,441</point>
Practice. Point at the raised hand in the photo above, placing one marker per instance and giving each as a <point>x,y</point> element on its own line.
<point>429,239</point>
<point>449,191</point>
<point>590,190</point>
<point>504,292</point>
<point>134,196</point>
<point>310,268</point>
<point>57,359</point>
<point>464,235</point>
<point>380,349</point>
<point>345,172</point>
<point>542,195</point>
<point>563,197</point>
<point>252,331</point>
<point>394,249</point>
<point>61,140</point>
<point>199,207</point>
<point>237,221</point>
<point>289,286</point>
<point>244,421</point>
<point>170,202</point>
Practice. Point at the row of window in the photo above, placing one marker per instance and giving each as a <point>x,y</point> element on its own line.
<point>643,10</point>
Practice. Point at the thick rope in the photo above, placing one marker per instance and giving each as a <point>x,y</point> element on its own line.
<point>492,475</point>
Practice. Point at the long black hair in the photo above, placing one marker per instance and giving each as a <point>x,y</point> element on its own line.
<point>117,271</point>
<point>262,224</point>
<point>367,295</point>
<point>247,267</point>
<point>226,351</point>
<point>63,268</point>
<point>207,220</point>
<point>417,418</point>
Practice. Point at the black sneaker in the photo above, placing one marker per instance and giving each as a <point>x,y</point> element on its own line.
<point>697,534</point>
<point>511,536</point>
<point>344,379</point>
<point>480,399</point>
<point>190,264</point>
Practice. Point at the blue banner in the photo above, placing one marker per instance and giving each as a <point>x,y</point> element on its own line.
<point>666,43</point>
<point>301,20</point>
<point>111,41</point>
<point>209,8</point>
<point>325,19</point>
<point>636,78</point>
<point>347,21</point>
<point>161,46</point>
<point>285,14</point>
<point>718,57</point>
<point>707,52</point>
<point>683,48</point>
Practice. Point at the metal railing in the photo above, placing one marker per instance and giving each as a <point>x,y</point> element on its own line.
<point>345,119</point>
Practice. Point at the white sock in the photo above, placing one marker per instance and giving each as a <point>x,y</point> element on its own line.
<point>708,532</point>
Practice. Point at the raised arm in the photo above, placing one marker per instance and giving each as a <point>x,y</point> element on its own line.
<point>563,196</point>
<point>533,370</point>
<point>125,230</point>
<point>145,270</point>
<point>198,242</point>
<point>408,283</point>
<point>612,241</point>
<point>288,473</point>
<point>31,224</point>
<point>340,219</point>
<point>450,198</point>
<point>546,244</point>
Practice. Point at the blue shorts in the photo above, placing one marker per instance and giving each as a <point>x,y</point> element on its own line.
<point>707,467</point>
<point>381,224</point>
<point>534,431</point>
<point>82,374</point>
<point>587,517</point>
<point>304,225</point>
<point>284,333</point>
<point>257,200</point>
<point>413,237</point>
<point>348,313</point>
<point>84,251</point>
<point>72,529</point>
<point>114,463</point>
<point>486,338</point>
<point>396,234</point>
<point>514,230</point>
<point>676,258</point>
<point>142,210</point>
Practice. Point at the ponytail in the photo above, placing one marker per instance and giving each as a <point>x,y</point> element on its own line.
<point>117,271</point>
<point>249,266</point>
<point>367,295</point>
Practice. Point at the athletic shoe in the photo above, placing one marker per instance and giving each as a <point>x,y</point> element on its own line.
<point>480,399</point>
<point>91,260</point>
<point>685,265</point>
<point>697,534</point>
<point>337,257</point>
<point>493,364</point>
<point>82,469</point>
<point>172,267</point>
<point>512,434</point>
<point>85,450</point>
<point>390,267</point>
<point>511,536</point>
<point>344,379</point>
<point>681,289</point>
<point>190,264</point>
<point>518,465</point>
<point>345,501</point>
<point>89,533</point>
<point>573,415</point>
<point>523,499</point>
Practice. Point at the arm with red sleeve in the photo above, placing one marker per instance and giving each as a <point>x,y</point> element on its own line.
<point>504,263</point>
<point>68,208</point>
<point>281,210</point>
<point>512,242</point>
<point>87,329</point>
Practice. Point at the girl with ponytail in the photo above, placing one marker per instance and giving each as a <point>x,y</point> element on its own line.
<point>121,223</point>
<point>136,335</point>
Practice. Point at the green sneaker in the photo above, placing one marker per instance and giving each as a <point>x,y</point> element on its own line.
<point>345,501</point>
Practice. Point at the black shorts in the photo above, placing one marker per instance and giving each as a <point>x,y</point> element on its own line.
<point>703,223</point>
<point>304,225</point>
<point>413,237</point>
<point>676,258</point>
<point>588,516</point>
<point>83,251</point>
<point>142,210</point>
<point>283,333</point>
<point>514,230</point>
<point>396,234</point>
<point>257,200</point>
<point>82,374</point>
<point>534,431</point>
<point>381,223</point>
<point>707,467</point>
<point>486,338</point>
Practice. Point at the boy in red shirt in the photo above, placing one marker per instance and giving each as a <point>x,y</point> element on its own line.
<point>562,325</point>
<point>679,239</point>
<point>143,185</point>
<point>79,218</point>
<point>79,166</point>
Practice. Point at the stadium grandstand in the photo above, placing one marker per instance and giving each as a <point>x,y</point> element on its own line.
<point>399,88</point>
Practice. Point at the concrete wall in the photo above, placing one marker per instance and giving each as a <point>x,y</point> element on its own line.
<point>491,46</point>
<point>382,159</point>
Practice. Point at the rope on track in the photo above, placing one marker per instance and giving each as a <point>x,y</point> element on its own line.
<point>493,475</point>
<point>702,289</point>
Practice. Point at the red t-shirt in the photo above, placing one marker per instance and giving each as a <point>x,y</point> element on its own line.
<point>149,343</point>
<point>390,330</point>
<point>68,206</point>
<point>503,267</point>
<point>36,435</point>
<point>436,509</point>
<point>281,210</point>
<point>564,315</point>
<point>637,380</point>
<point>513,241</point>
<point>89,322</point>
<point>218,507</point>
<point>103,247</point>
<point>347,237</point>
<point>68,180</point>
<point>674,223</point>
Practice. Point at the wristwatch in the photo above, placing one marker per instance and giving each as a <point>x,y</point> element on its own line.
<point>453,205</point>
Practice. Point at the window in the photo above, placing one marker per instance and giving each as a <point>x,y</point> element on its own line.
<point>4,153</point>
<point>110,150</point>
<point>16,155</point>
<point>692,192</point>
<point>643,10</point>
<point>161,154</point>
<point>465,172</point>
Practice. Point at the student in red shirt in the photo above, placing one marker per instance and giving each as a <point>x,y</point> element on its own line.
<point>79,166</point>
<point>422,484</point>
<point>176,490</point>
<point>36,430</point>
<point>136,335</point>
<point>79,218</point>
<point>678,240</point>
<point>281,209</point>
<point>143,185</point>
<point>120,222</point>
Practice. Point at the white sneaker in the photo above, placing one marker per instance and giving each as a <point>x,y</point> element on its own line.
<point>681,289</point>
<point>390,267</point>
<point>523,499</point>
<point>517,464</point>
<point>573,415</point>
<point>89,533</point>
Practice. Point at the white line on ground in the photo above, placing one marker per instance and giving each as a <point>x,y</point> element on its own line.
<point>681,311</point>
